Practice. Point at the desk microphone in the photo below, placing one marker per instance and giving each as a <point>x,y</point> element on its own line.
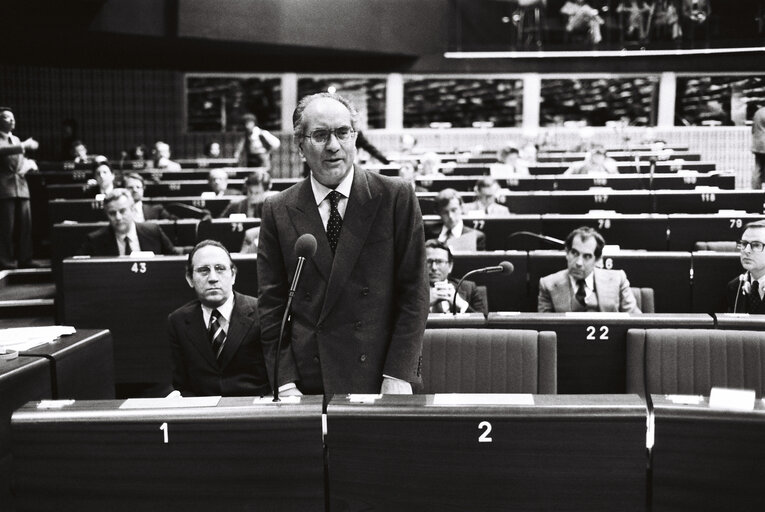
<point>504,267</point>
<point>538,236</point>
<point>305,247</point>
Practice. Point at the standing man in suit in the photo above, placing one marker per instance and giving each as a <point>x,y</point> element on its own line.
<point>745,292</point>
<point>141,211</point>
<point>15,213</point>
<point>453,230</point>
<point>254,149</point>
<point>123,235</point>
<point>583,286</point>
<point>359,314</point>
<point>442,285</point>
<point>215,339</point>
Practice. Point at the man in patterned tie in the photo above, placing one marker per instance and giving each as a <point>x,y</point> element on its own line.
<point>583,286</point>
<point>359,313</point>
<point>15,213</point>
<point>745,292</point>
<point>215,339</point>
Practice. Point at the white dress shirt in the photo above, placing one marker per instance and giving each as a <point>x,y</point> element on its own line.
<point>321,193</point>
<point>132,235</point>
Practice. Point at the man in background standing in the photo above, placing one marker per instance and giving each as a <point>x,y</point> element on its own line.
<point>254,150</point>
<point>15,213</point>
<point>758,147</point>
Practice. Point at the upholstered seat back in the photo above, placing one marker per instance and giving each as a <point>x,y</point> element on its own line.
<point>693,361</point>
<point>489,361</point>
<point>644,299</point>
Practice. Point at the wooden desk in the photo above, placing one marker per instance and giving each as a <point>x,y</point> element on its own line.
<point>96,456</point>
<point>711,273</point>
<point>83,369</point>
<point>592,347</point>
<point>561,453</point>
<point>705,459</point>
<point>132,297</point>
<point>504,292</point>
<point>228,232</point>
<point>90,210</point>
<point>687,229</point>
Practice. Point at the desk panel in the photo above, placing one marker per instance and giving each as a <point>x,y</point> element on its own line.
<point>708,201</point>
<point>94,456</point>
<point>505,292</point>
<point>592,347</point>
<point>132,298</point>
<point>226,231</point>
<point>90,210</point>
<point>686,229</point>
<point>639,231</point>
<point>705,459</point>
<point>711,273</point>
<point>561,453</point>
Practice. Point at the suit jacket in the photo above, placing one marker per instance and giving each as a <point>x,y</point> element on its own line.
<point>150,236</point>
<point>360,314</point>
<point>737,299</point>
<point>480,241</point>
<point>12,162</point>
<point>241,369</point>
<point>156,212</point>
<point>611,288</point>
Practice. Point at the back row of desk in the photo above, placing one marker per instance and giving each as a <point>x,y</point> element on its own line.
<point>132,297</point>
<point>424,452</point>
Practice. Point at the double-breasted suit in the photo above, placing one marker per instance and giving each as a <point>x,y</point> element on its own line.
<point>360,314</point>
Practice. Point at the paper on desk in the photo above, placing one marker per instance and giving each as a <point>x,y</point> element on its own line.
<point>24,338</point>
<point>448,399</point>
<point>170,403</point>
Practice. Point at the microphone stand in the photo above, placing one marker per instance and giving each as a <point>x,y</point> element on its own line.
<point>286,324</point>
<point>456,289</point>
<point>545,238</point>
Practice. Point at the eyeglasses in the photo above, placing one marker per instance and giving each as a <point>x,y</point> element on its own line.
<point>741,245</point>
<point>321,136</point>
<point>205,270</point>
<point>436,261</point>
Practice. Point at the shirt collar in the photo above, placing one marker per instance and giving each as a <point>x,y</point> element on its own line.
<point>589,281</point>
<point>225,310</point>
<point>132,234</point>
<point>456,231</point>
<point>320,191</point>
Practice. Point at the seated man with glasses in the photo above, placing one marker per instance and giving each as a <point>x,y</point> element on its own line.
<point>215,339</point>
<point>745,292</point>
<point>440,263</point>
<point>583,286</point>
<point>362,302</point>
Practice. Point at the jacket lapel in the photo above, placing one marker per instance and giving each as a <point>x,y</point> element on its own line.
<point>306,219</point>
<point>196,332</point>
<point>563,293</point>
<point>241,321</point>
<point>603,290</point>
<point>361,210</point>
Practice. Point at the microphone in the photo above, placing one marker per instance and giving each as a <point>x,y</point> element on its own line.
<point>743,286</point>
<point>538,236</point>
<point>505,267</point>
<point>305,247</point>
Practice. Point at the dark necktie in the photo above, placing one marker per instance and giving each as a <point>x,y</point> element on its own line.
<point>216,333</point>
<point>335,223</point>
<point>580,291</point>
<point>128,249</point>
<point>754,299</point>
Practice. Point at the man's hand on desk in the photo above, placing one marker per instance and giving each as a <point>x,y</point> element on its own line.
<point>289,390</point>
<point>391,386</point>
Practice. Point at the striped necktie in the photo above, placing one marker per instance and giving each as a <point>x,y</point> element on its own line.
<point>216,333</point>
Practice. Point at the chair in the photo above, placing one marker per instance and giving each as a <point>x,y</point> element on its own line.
<point>644,299</point>
<point>724,246</point>
<point>693,361</point>
<point>489,361</point>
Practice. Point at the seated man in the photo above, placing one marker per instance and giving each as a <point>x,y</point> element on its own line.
<point>509,163</point>
<point>596,162</point>
<point>257,186</point>
<point>218,180</point>
<point>134,183</point>
<point>453,231</point>
<point>123,235</point>
<point>487,190</point>
<point>583,286</point>
<point>162,157</point>
<point>745,292</point>
<point>440,263</point>
<point>215,339</point>
<point>103,179</point>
